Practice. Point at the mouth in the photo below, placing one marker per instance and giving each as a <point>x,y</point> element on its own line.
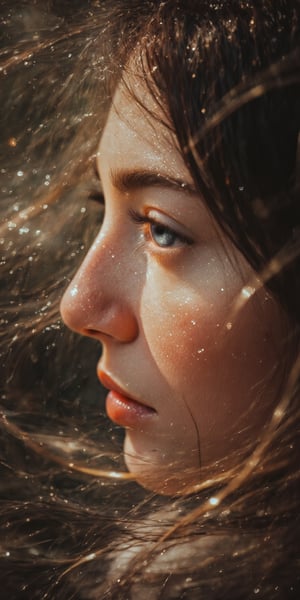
<point>123,409</point>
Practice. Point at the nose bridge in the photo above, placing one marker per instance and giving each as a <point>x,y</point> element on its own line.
<point>96,303</point>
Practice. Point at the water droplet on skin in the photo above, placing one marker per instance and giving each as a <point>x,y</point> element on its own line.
<point>228,326</point>
<point>74,291</point>
<point>20,173</point>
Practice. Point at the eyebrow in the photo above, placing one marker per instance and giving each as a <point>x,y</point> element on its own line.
<point>128,180</point>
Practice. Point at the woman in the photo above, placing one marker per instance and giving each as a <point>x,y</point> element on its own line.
<point>191,287</point>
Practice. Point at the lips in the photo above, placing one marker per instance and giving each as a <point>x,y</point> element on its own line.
<point>123,409</point>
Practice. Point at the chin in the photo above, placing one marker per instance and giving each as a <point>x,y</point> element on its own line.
<point>150,471</point>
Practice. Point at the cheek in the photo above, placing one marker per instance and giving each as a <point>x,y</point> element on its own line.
<point>224,370</point>
<point>181,323</point>
<point>183,311</point>
<point>176,328</point>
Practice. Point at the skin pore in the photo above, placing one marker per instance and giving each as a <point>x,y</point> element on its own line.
<point>156,289</point>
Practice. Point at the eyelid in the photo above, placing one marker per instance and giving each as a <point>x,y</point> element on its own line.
<point>95,191</point>
<point>96,195</point>
<point>151,218</point>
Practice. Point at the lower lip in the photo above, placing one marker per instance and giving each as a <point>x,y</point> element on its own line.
<point>126,412</point>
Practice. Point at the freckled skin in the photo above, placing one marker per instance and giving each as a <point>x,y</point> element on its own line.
<point>161,313</point>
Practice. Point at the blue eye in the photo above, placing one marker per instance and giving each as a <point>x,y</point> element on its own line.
<point>162,236</point>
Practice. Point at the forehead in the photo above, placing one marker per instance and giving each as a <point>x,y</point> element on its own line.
<point>137,133</point>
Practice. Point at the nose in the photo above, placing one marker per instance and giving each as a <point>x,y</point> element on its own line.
<point>97,302</point>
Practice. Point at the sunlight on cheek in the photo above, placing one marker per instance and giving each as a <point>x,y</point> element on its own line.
<point>185,332</point>
<point>181,327</point>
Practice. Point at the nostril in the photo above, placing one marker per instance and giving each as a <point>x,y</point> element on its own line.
<point>91,332</point>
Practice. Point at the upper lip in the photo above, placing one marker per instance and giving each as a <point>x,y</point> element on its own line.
<point>110,384</point>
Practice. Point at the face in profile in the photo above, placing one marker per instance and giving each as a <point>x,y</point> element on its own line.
<point>191,388</point>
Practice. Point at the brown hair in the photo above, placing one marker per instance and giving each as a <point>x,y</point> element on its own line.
<point>228,79</point>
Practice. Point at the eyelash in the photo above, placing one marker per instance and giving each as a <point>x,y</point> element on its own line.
<point>146,223</point>
<point>95,195</point>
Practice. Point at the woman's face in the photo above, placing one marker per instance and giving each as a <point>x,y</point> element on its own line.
<point>190,385</point>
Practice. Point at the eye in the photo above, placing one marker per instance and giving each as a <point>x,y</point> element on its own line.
<point>163,236</point>
<point>159,233</point>
<point>97,196</point>
<point>94,189</point>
